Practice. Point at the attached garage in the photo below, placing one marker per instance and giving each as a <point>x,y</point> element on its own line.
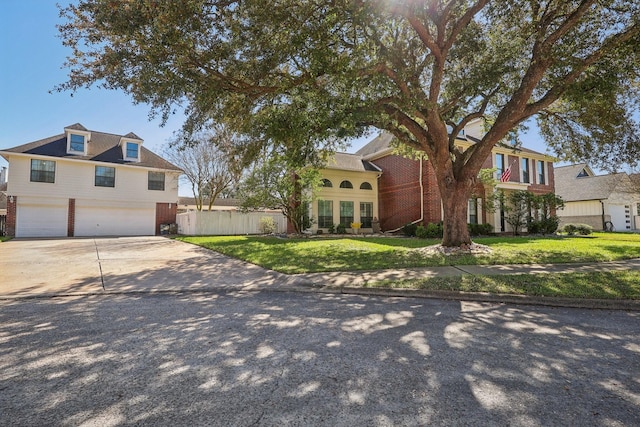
<point>100,218</point>
<point>40,217</point>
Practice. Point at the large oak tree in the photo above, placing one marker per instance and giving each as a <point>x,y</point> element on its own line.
<point>306,71</point>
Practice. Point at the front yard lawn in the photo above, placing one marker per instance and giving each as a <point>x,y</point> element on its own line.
<point>307,255</point>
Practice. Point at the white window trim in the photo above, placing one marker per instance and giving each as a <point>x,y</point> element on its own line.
<point>85,135</point>
<point>124,150</point>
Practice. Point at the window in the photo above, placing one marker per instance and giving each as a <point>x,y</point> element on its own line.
<point>346,213</point>
<point>473,211</point>
<point>366,186</point>
<point>132,150</point>
<point>326,183</point>
<point>76,143</point>
<point>583,173</point>
<point>105,176</point>
<point>346,184</point>
<point>43,171</point>
<point>525,170</point>
<point>366,214</point>
<point>541,174</point>
<point>156,180</point>
<point>325,213</point>
<point>499,165</point>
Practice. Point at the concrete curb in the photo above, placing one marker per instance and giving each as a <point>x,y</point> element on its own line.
<point>595,304</point>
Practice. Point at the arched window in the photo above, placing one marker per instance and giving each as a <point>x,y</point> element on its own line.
<point>346,184</point>
<point>366,186</point>
<point>326,183</point>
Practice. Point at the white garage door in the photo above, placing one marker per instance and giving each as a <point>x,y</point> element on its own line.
<point>113,220</point>
<point>41,218</point>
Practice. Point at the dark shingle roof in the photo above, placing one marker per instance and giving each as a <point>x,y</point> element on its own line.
<point>102,147</point>
<point>354,162</point>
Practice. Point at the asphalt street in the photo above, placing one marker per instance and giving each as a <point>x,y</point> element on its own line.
<point>245,358</point>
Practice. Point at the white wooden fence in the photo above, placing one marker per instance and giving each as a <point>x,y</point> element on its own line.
<point>226,223</point>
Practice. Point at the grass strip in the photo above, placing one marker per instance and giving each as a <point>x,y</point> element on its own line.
<point>609,285</point>
<point>309,255</point>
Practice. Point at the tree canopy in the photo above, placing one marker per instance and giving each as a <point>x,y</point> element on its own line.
<point>308,72</point>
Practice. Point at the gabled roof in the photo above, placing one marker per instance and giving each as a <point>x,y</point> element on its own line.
<point>102,147</point>
<point>572,187</point>
<point>353,162</point>
<point>382,142</point>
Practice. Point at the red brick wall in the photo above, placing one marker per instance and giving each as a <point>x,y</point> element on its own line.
<point>71,218</point>
<point>549,186</point>
<point>399,192</point>
<point>10,226</point>
<point>165,214</point>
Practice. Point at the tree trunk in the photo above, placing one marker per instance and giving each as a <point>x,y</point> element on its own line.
<point>455,204</point>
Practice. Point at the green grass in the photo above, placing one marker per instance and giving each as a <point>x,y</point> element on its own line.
<point>4,238</point>
<point>610,285</point>
<point>373,253</point>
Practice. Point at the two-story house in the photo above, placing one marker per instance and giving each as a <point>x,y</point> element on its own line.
<point>375,182</point>
<point>88,183</point>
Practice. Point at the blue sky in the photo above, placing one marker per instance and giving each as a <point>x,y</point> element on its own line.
<point>31,60</point>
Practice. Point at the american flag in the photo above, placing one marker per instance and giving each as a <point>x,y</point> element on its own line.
<point>506,174</point>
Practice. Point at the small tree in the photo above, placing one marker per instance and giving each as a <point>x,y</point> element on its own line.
<point>208,163</point>
<point>517,208</point>
<point>277,181</point>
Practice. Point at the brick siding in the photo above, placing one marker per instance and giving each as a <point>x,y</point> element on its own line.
<point>399,192</point>
<point>71,218</point>
<point>10,226</point>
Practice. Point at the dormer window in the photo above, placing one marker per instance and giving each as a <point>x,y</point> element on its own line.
<point>132,151</point>
<point>77,142</point>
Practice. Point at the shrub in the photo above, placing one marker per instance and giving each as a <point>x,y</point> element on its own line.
<point>544,226</point>
<point>434,230</point>
<point>268,225</point>
<point>480,229</point>
<point>409,230</point>
<point>331,229</point>
<point>341,229</point>
<point>421,232</point>
<point>582,229</point>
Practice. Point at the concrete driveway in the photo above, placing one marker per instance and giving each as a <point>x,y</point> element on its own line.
<point>121,264</point>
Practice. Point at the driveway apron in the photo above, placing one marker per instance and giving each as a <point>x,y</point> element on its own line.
<point>122,264</point>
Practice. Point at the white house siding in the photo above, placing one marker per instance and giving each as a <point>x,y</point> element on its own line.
<point>76,180</point>
<point>226,223</point>
<point>583,212</point>
<point>128,208</point>
<point>355,195</point>
<point>41,217</point>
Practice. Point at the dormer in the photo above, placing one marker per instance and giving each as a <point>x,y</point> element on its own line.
<point>585,172</point>
<point>78,138</point>
<point>131,145</point>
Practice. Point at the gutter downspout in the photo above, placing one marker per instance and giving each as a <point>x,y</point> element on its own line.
<point>604,223</point>
<point>421,201</point>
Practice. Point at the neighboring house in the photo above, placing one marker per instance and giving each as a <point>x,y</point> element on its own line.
<point>405,191</point>
<point>349,193</point>
<point>88,183</point>
<point>186,204</point>
<point>603,202</point>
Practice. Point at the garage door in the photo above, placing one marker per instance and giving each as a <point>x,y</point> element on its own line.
<point>113,220</point>
<point>620,217</point>
<point>41,218</point>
